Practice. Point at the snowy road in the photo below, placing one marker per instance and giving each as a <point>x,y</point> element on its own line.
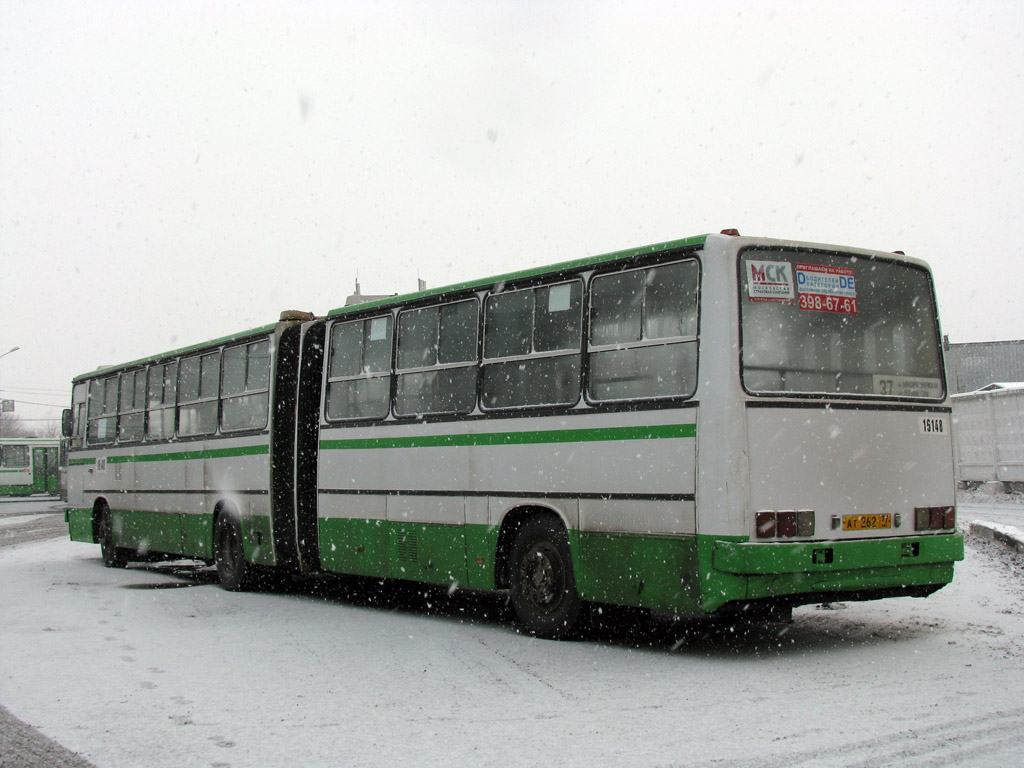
<point>157,666</point>
<point>1004,514</point>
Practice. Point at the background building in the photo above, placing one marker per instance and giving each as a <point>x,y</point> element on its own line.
<point>973,365</point>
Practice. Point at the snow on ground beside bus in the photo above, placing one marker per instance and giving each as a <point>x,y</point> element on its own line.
<point>995,511</point>
<point>156,665</point>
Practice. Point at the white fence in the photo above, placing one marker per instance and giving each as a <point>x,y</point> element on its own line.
<point>989,432</point>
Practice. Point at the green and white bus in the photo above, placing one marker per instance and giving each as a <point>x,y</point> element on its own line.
<point>709,426</point>
<point>28,465</point>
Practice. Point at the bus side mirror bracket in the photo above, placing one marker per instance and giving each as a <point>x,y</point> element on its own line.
<point>66,422</point>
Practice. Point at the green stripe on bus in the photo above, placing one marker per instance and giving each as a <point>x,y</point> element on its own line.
<point>209,453</point>
<point>659,432</point>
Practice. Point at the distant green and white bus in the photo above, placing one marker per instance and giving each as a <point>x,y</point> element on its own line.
<point>710,426</point>
<point>28,465</point>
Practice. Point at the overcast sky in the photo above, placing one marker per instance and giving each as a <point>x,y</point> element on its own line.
<point>173,172</point>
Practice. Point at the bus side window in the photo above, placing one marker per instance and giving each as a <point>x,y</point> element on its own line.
<point>643,333</point>
<point>359,369</point>
<point>160,406</point>
<point>133,402</point>
<point>198,385</point>
<point>437,352</point>
<point>102,410</point>
<point>14,456</point>
<point>78,420</point>
<point>532,347</point>
<point>245,394</point>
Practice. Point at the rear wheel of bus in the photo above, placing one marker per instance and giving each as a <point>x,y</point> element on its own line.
<point>542,585</point>
<point>234,572</point>
<point>113,555</point>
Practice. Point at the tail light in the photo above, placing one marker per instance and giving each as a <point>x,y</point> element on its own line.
<point>785,524</point>
<point>934,518</point>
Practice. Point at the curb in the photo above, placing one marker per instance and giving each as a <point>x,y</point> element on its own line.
<point>1007,535</point>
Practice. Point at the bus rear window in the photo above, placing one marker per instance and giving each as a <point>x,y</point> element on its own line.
<point>837,324</point>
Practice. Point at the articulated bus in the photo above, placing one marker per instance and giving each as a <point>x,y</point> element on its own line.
<point>720,425</point>
<point>28,465</point>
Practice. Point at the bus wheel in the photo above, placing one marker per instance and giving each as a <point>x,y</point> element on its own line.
<point>542,584</point>
<point>234,572</point>
<point>113,555</point>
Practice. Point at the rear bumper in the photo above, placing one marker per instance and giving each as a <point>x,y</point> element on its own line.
<point>832,556</point>
<point>810,572</point>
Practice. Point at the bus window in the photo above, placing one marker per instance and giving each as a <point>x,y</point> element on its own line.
<point>198,380</point>
<point>14,456</point>
<point>359,369</point>
<point>162,387</point>
<point>532,347</point>
<point>245,397</point>
<point>643,333</point>
<point>133,402</point>
<point>78,420</point>
<point>437,352</point>
<point>827,323</point>
<point>102,410</point>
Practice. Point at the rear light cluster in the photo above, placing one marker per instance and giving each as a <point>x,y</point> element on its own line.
<point>934,518</point>
<point>786,524</point>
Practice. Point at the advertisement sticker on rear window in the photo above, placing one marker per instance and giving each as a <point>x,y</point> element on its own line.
<point>826,289</point>
<point>770,281</point>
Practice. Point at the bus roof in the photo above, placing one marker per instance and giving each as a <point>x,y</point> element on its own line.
<point>609,257</point>
<point>388,301</point>
<point>526,273</point>
<point>107,369</point>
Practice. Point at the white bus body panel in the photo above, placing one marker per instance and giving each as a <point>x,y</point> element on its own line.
<point>174,485</point>
<point>439,481</point>
<point>843,461</point>
<point>722,479</point>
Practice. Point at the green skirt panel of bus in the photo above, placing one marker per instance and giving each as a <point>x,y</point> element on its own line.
<point>654,572</point>
<point>80,526</point>
<point>689,576</point>
<point>419,552</point>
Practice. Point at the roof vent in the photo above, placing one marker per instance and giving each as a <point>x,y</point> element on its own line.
<point>295,314</point>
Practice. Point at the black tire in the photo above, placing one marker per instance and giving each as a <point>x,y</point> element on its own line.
<point>542,585</point>
<point>113,555</point>
<point>234,572</point>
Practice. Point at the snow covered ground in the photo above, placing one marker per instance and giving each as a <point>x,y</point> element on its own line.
<point>1003,508</point>
<point>157,666</point>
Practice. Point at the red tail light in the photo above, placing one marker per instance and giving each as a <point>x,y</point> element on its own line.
<point>765,523</point>
<point>786,524</point>
<point>934,518</point>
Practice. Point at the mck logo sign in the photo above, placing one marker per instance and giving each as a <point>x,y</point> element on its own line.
<point>770,281</point>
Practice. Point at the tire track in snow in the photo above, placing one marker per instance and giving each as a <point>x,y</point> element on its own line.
<point>487,669</point>
<point>959,741</point>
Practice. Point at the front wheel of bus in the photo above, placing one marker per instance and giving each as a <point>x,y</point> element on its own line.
<point>234,572</point>
<point>113,555</point>
<point>542,583</point>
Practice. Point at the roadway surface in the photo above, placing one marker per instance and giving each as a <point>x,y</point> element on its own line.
<point>156,665</point>
<point>22,746</point>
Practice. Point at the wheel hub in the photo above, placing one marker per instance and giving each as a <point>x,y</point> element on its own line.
<point>541,576</point>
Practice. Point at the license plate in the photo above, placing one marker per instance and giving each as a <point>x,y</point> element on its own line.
<point>866,522</point>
